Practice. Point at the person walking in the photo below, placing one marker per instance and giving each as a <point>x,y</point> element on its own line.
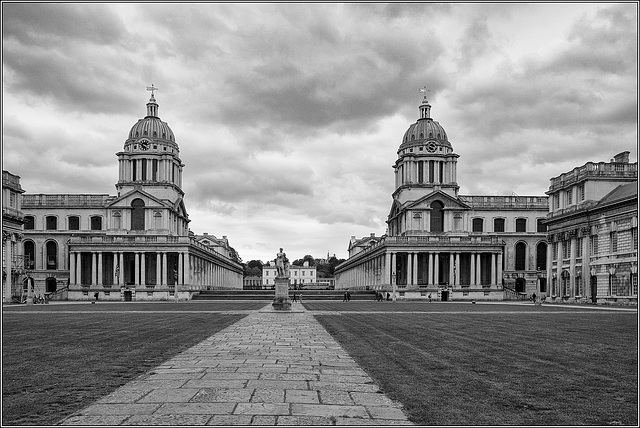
<point>344,297</point>
<point>348,296</point>
<point>533,297</point>
<point>429,297</point>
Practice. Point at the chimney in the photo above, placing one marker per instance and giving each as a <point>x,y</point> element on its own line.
<point>205,233</point>
<point>373,235</point>
<point>621,157</point>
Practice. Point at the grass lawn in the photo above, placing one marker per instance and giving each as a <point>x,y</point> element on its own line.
<point>58,358</point>
<point>463,364</point>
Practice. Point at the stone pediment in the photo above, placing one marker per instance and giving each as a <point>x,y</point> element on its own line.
<point>449,202</point>
<point>124,201</point>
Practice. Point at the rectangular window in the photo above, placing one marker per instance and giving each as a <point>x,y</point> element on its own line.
<point>634,237</point>
<point>579,247</point>
<point>540,226</point>
<point>431,175</point>
<point>498,225</point>
<point>74,223</point>
<point>441,172</point>
<point>420,171</point>
<point>554,246</point>
<point>52,223</point>
<point>134,170</point>
<point>566,247</point>
<point>594,245</point>
<point>96,223</point>
<point>569,196</point>
<point>144,169</point>
<point>29,223</point>
<point>581,192</point>
<point>579,286</point>
<point>556,201</point>
<point>12,199</point>
<point>477,225</point>
<point>614,242</point>
<point>521,225</point>
<point>154,170</point>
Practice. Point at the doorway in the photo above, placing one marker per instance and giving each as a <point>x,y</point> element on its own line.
<point>520,285</point>
<point>445,295</point>
<point>127,296</point>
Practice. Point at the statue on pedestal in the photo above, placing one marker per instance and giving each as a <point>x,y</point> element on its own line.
<point>282,264</point>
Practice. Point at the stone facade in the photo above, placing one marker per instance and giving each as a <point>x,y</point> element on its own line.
<point>135,245</point>
<point>440,243</point>
<point>593,233</point>
<point>14,270</point>
<point>298,275</point>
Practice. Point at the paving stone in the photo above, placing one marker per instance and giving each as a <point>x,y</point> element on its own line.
<point>196,408</point>
<point>335,397</point>
<point>228,420</point>
<point>373,399</point>
<point>339,386</point>
<point>371,422</point>
<point>305,420</point>
<point>215,383</point>
<point>288,376</point>
<point>285,384</point>
<point>385,412</point>
<point>169,395</point>
<point>149,420</point>
<point>119,409</point>
<point>223,395</point>
<point>109,420</point>
<point>268,395</point>
<point>328,410</point>
<point>263,420</point>
<point>301,396</point>
<point>262,409</point>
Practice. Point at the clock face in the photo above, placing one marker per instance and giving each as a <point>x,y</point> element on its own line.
<point>144,144</point>
<point>431,147</point>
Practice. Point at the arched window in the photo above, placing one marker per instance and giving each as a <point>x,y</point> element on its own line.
<point>437,216</point>
<point>521,255</point>
<point>29,222</point>
<point>477,225</point>
<point>29,252</point>
<point>541,256</point>
<point>137,214</point>
<point>52,255</point>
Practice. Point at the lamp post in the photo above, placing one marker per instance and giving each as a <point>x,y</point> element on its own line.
<point>394,286</point>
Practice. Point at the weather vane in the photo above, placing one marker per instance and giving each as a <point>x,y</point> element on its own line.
<point>424,91</point>
<point>151,88</point>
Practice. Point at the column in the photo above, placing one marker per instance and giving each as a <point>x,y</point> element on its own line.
<point>180,268</point>
<point>8,266</point>
<point>499,273</point>
<point>158,269</point>
<point>163,278</point>
<point>409,268</point>
<point>430,270</point>
<point>493,268</point>
<point>100,280</point>
<point>387,267</point>
<point>187,271</point>
<point>415,268</point>
<point>572,267</point>
<point>79,268</point>
<point>136,276</point>
<point>143,268</point>
<point>121,265</point>
<point>478,269</point>
<point>436,268</point>
<point>114,274</point>
<point>457,269</point>
<point>393,265</point>
<point>473,268</point>
<point>72,268</point>
<point>451,271</point>
<point>93,268</point>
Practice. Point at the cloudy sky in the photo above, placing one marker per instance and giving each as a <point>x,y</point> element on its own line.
<point>288,116</point>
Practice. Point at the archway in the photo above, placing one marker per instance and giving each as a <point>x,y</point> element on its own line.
<point>521,256</point>
<point>437,216</point>
<point>521,285</point>
<point>137,214</point>
<point>51,285</point>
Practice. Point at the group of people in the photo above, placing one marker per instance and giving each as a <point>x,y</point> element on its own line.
<point>380,296</point>
<point>347,296</point>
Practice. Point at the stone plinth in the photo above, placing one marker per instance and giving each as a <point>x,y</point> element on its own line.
<point>281,301</point>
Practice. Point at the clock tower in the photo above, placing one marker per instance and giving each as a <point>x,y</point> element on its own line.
<point>150,160</point>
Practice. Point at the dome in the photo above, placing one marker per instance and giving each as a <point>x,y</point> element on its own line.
<point>151,126</point>
<point>425,129</point>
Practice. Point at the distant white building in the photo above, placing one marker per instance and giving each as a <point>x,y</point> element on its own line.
<point>298,275</point>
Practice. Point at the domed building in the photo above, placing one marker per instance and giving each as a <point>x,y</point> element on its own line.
<point>135,245</point>
<point>445,245</point>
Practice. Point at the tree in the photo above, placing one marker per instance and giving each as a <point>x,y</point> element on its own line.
<point>252,268</point>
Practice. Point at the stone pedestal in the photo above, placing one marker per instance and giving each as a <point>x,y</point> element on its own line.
<point>281,301</point>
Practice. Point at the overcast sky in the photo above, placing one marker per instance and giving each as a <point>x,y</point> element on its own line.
<point>289,116</point>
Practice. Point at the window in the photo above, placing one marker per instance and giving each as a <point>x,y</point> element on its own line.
<point>477,225</point>
<point>614,242</point>
<point>554,246</point>
<point>594,244</point>
<point>12,199</point>
<point>52,255</point>
<point>569,197</point>
<point>437,217</point>
<point>521,225</point>
<point>634,237</point>
<point>541,256</point>
<point>420,171</point>
<point>29,255</point>
<point>74,223</point>
<point>117,220</point>
<point>579,290</point>
<point>29,222</point>
<point>566,249</point>
<point>579,247</point>
<point>137,214</point>
<point>556,201</point>
<point>96,223</point>
<point>521,256</point>
<point>498,225</point>
<point>540,226</point>
<point>581,192</point>
<point>51,223</point>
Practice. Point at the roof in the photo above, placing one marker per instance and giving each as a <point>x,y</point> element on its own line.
<point>624,191</point>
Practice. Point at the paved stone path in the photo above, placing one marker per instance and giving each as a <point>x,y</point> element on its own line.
<point>270,368</point>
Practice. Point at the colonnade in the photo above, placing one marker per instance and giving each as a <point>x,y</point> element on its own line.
<point>380,269</point>
<point>162,169</point>
<point>426,171</point>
